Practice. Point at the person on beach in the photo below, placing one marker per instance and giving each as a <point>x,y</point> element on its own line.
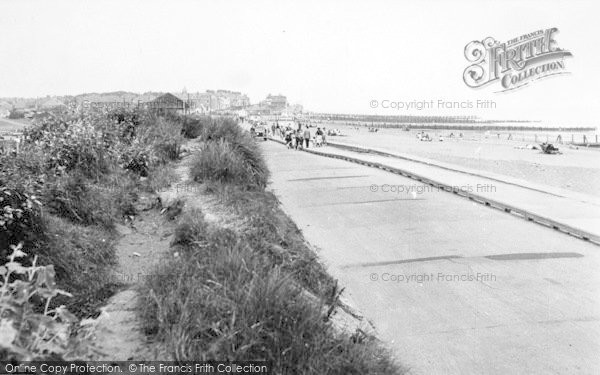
<point>324,135</point>
<point>307,136</point>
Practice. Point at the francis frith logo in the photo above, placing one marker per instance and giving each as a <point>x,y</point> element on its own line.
<point>515,63</point>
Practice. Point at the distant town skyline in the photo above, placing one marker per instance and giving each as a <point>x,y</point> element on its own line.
<point>323,55</point>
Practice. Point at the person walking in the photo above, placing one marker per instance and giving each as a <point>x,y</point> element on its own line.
<point>307,136</point>
<point>299,140</point>
<point>319,138</point>
<point>288,138</point>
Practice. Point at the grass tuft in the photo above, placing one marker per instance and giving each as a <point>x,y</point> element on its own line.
<point>225,162</point>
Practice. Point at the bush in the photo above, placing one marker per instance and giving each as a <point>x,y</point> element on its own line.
<point>164,138</point>
<point>25,171</point>
<point>224,162</point>
<point>72,197</point>
<point>191,229</point>
<point>27,332</point>
<point>20,220</point>
<point>76,167</point>
<point>222,128</point>
<point>79,147</point>
<point>228,143</point>
<point>218,162</point>
<point>83,258</point>
<point>192,127</point>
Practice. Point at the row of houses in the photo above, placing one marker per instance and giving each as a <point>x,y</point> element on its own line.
<point>184,102</point>
<point>26,107</point>
<point>220,101</point>
<point>211,101</point>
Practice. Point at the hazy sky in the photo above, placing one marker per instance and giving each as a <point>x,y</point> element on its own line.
<point>330,56</point>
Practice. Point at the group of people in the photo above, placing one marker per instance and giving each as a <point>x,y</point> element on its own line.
<point>301,137</point>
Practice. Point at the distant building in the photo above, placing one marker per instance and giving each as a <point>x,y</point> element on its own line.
<point>233,99</point>
<point>213,100</point>
<point>167,103</point>
<point>295,108</point>
<point>275,103</point>
<point>258,110</point>
<point>224,102</point>
<point>105,102</point>
<point>52,103</point>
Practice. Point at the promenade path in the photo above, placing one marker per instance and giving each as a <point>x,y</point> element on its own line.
<point>452,286</point>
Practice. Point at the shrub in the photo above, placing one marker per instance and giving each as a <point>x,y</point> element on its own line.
<point>83,258</point>
<point>76,165</point>
<point>192,127</point>
<point>157,142</point>
<point>222,128</point>
<point>120,190</point>
<point>224,162</point>
<point>26,332</point>
<point>191,229</point>
<point>72,197</point>
<point>164,137</point>
<point>218,162</point>
<point>20,220</point>
<point>80,148</point>
<point>138,162</point>
<point>25,171</point>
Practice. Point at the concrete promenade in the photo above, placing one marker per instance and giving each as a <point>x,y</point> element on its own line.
<point>571,212</point>
<point>452,286</point>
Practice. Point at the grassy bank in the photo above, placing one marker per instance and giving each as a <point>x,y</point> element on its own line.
<point>73,180</point>
<point>253,293</point>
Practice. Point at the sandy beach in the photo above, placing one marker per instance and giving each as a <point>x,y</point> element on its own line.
<point>574,169</point>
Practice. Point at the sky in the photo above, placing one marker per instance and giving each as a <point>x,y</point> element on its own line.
<point>329,56</point>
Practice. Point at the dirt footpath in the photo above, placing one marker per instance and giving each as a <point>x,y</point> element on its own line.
<point>143,244</point>
<point>141,247</point>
